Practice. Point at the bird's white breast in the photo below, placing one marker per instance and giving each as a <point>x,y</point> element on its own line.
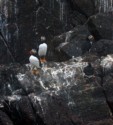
<point>34,61</point>
<point>42,49</point>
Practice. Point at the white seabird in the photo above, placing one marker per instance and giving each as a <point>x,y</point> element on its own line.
<point>34,61</point>
<point>42,52</point>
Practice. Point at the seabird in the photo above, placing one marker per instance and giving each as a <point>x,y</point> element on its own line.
<point>34,61</point>
<point>42,52</point>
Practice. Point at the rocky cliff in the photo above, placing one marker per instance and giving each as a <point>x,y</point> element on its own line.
<point>75,86</point>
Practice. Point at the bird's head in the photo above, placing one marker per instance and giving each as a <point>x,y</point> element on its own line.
<point>43,38</point>
<point>32,52</point>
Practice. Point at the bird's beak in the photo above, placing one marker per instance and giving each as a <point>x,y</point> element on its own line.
<point>31,52</point>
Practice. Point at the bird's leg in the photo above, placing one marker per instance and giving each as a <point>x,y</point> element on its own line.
<point>35,71</point>
<point>32,69</point>
<point>42,59</point>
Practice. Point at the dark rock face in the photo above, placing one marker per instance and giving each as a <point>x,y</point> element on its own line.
<point>4,53</point>
<point>90,7</point>
<point>24,22</point>
<point>20,111</point>
<point>86,7</point>
<point>102,47</point>
<point>107,85</point>
<point>75,92</point>
<point>77,40</point>
<point>100,26</point>
<point>89,70</point>
<point>4,119</point>
<point>102,122</point>
<point>60,94</point>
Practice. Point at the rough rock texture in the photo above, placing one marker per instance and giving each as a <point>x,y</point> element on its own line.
<point>90,7</point>
<point>102,47</point>
<point>22,23</point>
<point>100,26</point>
<point>77,40</point>
<point>86,7</point>
<point>74,92</point>
<point>4,53</point>
<point>62,93</point>
<point>4,119</point>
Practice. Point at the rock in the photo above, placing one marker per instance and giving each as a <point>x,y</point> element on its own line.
<point>22,26</point>
<point>100,25</point>
<point>4,119</point>
<point>59,94</point>
<point>107,80</point>
<point>107,85</point>
<point>9,84</point>
<point>76,18</point>
<point>74,92</point>
<point>77,40</point>
<point>102,122</point>
<point>102,47</point>
<point>89,70</point>
<point>65,98</point>
<point>103,6</point>
<point>90,7</point>
<point>85,7</point>
<point>107,64</point>
<point>5,56</point>
<point>54,104</point>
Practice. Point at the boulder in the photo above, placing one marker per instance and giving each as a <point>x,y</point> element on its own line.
<point>60,94</point>
<point>107,85</point>
<point>73,43</point>
<point>100,25</point>
<point>107,80</point>
<point>4,119</point>
<point>102,47</point>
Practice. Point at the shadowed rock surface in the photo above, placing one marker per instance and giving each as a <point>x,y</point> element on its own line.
<point>77,40</point>
<point>66,92</point>
<point>100,26</point>
<point>60,94</point>
<point>22,23</point>
<point>102,47</point>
